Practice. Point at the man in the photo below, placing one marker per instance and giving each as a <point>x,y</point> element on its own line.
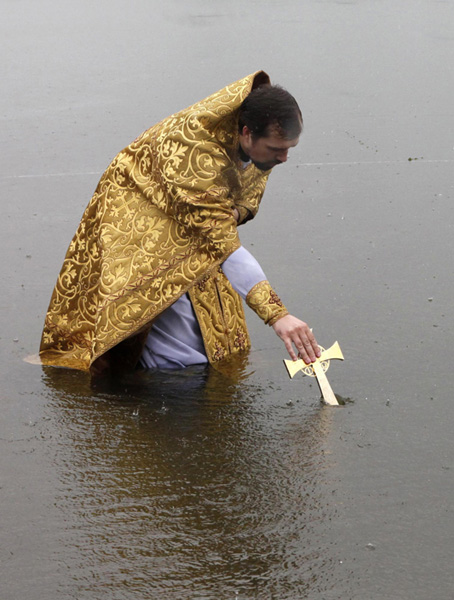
<point>156,267</point>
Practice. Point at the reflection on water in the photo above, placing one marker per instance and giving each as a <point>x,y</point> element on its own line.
<point>189,484</point>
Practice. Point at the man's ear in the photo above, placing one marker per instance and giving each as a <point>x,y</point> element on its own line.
<point>246,132</point>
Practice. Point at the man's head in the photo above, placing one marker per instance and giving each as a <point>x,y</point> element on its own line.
<point>270,123</point>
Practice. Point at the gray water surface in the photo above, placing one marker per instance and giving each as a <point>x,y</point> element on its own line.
<point>238,485</point>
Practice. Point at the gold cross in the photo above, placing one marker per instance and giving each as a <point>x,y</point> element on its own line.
<point>317,369</point>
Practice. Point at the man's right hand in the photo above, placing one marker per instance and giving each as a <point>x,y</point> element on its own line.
<point>296,333</point>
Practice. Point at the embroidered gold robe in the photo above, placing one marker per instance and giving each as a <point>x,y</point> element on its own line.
<point>158,225</point>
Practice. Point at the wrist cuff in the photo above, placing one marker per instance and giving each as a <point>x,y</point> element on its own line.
<point>266,303</point>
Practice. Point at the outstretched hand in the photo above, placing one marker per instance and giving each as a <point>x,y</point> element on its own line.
<point>297,334</point>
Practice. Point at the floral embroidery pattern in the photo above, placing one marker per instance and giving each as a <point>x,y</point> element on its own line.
<point>161,217</point>
<point>219,353</point>
<point>241,340</point>
<point>266,303</point>
<point>274,299</point>
<point>219,311</point>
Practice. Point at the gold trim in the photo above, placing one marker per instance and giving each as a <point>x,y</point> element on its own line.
<point>266,303</point>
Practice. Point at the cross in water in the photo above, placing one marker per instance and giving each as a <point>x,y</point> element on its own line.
<point>318,369</point>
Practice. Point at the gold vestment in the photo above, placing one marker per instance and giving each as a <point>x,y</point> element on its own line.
<point>158,225</point>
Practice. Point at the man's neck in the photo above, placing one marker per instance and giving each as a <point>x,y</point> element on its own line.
<point>242,154</point>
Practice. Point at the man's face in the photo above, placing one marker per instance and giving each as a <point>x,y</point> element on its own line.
<point>266,152</point>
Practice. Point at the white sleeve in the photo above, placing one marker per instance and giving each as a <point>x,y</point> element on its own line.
<point>243,271</point>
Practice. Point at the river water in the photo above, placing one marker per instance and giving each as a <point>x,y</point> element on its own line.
<point>239,484</point>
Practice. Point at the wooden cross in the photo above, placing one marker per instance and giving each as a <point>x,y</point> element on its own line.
<point>318,369</point>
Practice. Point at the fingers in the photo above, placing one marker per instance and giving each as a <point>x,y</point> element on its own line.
<point>297,334</point>
<point>308,348</point>
<point>290,350</point>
